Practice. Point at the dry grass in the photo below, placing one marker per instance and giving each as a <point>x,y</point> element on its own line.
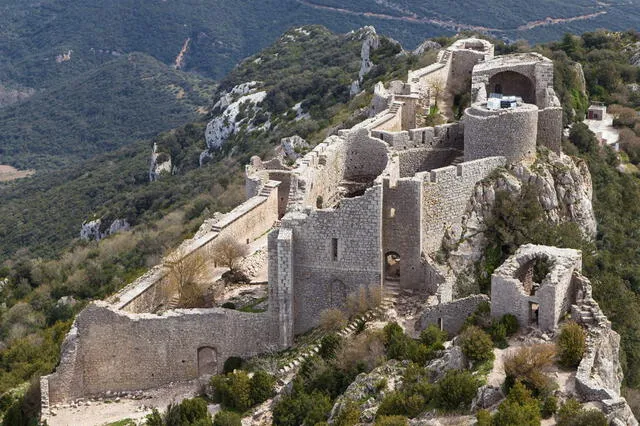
<point>366,347</point>
<point>8,173</point>
<point>332,319</point>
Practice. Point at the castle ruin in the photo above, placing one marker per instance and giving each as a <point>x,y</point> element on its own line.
<point>366,208</point>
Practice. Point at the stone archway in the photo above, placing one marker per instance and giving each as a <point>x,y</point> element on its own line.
<point>511,83</point>
<point>392,266</point>
<point>207,361</point>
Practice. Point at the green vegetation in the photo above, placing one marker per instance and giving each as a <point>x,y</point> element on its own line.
<point>237,392</point>
<point>190,412</point>
<point>476,345</point>
<point>571,343</point>
<point>227,418</point>
<point>520,408</point>
<point>572,414</point>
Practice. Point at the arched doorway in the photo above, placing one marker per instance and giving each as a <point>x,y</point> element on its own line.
<point>392,266</point>
<point>207,361</point>
<point>511,83</point>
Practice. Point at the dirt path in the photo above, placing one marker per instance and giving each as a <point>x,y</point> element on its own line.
<point>103,412</point>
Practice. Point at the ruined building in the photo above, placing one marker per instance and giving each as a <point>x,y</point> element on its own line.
<point>367,206</point>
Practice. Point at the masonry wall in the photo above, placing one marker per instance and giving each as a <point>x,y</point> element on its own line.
<point>322,281</point>
<point>550,128</point>
<point>450,316</point>
<point>366,157</point>
<point>248,221</point>
<point>511,133</point>
<point>123,352</point>
<point>446,192</point>
<point>401,218</point>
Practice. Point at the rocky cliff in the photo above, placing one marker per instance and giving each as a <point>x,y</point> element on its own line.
<point>561,184</point>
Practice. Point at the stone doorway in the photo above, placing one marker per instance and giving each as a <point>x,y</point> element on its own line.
<point>534,311</point>
<point>207,361</point>
<point>392,266</point>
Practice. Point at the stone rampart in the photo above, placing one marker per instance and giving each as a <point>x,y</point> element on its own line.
<point>119,351</point>
<point>446,192</point>
<point>248,221</point>
<point>450,316</point>
<point>550,128</point>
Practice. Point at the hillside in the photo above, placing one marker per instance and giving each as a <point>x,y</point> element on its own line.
<point>129,98</point>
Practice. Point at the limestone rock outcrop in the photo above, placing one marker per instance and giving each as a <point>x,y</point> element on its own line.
<point>370,41</point>
<point>93,230</point>
<point>562,185</point>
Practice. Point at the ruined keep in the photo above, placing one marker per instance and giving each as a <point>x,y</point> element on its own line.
<point>365,209</point>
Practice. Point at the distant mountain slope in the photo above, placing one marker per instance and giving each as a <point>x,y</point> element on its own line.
<point>129,98</point>
<point>216,34</point>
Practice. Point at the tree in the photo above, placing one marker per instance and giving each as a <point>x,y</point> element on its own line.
<point>185,271</point>
<point>228,252</point>
<point>520,408</point>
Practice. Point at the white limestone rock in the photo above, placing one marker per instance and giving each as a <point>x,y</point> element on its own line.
<point>426,46</point>
<point>370,41</point>
<point>160,164</point>
<point>224,125</point>
<point>91,230</point>
<point>451,359</point>
<point>293,146</point>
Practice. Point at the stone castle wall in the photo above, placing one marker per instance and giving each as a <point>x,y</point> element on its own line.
<point>248,221</point>
<point>450,316</point>
<point>446,192</point>
<point>335,252</point>
<point>511,133</point>
<point>119,351</point>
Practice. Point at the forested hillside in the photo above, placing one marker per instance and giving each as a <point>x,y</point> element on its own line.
<point>130,98</point>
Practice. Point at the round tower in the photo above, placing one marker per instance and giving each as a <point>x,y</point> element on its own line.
<point>509,132</point>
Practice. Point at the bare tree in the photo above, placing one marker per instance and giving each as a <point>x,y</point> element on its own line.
<point>229,252</point>
<point>185,271</point>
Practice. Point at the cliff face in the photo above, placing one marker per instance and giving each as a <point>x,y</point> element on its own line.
<point>561,184</point>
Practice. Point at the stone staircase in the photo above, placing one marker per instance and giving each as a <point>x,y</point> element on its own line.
<point>458,160</point>
<point>444,56</point>
<point>395,106</point>
<point>587,312</point>
<point>373,314</point>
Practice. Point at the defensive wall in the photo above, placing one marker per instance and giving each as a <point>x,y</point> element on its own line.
<point>113,350</point>
<point>246,222</point>
<point>450,316</point>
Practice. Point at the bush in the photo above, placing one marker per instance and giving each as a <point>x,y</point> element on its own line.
<point>229,305</point>
<point>227,418</point>
<point>433,337</point>
<point>549,407</point>
<point>400,403</point>
<point>332,319</point>
<point>233,391</point>
<point>510,323</point>
<point>348,415</point>
<point>232,363</point>
<point>527,364</point>
<point>520,408</point>
<point>329,345</point>
<point>571,344</point>
<point>456,390</point>
<point>483,417</point>
<point>572,414</point>
<point>476,344</point>
<point>189,412</point>
<point>262,387</point>
<point>302,408</point>
<point>391,421</point>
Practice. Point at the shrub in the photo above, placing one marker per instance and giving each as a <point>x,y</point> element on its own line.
<point>332,319</point>
<point>520,408</point>
<point>476,344</point>
<point>571,344</point>
<point>329,345</point>
<point>433,337</point>
<point>456,390</point>
<point>189,412</point>
<point>227,418</point>
<point>348,415</point>
<point>549,406</point>
<point>262,387</point>
<point>510,323</point>
<point>391,421</point>
<point>232,363</point>
<point>572,414</point>
<point>483,417</point>
<point>399,403</point>
<point>527,364</point>
<point>363,351</point>
<point>302,408</point>
<point>233,390</point>
<point>229,305</point>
